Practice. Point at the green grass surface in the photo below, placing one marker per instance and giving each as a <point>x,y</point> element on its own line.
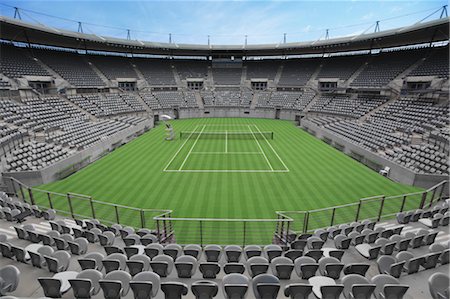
<point>312,175</point>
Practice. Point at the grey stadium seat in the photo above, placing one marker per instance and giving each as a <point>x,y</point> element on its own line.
<point>86,284</point>
<point>213,253</point>
<point>266,286</point>
<point>115,284</point>
<point>235,285</point>
<point>204,289</point>
<point>305,267</point>
<point>357,286</point>
<point>9,279</point>
<point>257,265</point>
<point>387,286</point>
<point>145,285</point>
<point>162,265</point>
<point>282,267</point>
<point>186,266</point>
<point>330,267</point>
<point>174,290</point>
<point>439,284</point>
<point>298,290</point>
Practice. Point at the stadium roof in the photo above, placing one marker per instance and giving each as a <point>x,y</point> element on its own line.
<point>19,31</point>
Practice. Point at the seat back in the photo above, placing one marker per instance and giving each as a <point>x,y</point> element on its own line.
<point>51,287</point>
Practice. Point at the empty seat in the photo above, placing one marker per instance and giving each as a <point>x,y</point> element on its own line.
<point>174,290</point>
<point>204,289</point>
<point>92,260</point>
<point>138,263</point>
<point>282,267</point>
<point>272,251</point>
<point>387,286</point>
<point>115,261</point>
<point>115,284</point>
<point>145,285</point>
<point>389,265</point>
<point>9,277</point>
<point>257,265</point>
<point>305,267</point>
<point>193,250</point>
<point>330,267</point>
<point>209,269</point>
<point>235,286</point>
<point>162,265</point>
<point>86,284</point>
<point>266,286</point>
<point>412,263</point>
<point>357,286</point>
<point>298,290</point>
<point>213,253</point>
<point>186,266</point>
<point>439,285</point>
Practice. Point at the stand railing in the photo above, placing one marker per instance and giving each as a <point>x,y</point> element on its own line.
<point>227,231</point>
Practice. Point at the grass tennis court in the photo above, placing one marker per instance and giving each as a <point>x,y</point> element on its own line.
<point>228,176</point>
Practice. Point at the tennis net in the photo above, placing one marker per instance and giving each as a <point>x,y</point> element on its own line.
<point>226,135</point>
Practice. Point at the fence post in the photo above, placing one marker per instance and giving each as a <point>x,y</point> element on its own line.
<point>31,196</point>
<point>287,233</point>
<point>380,212</point>
<point>70,205</point>
<point>165,226</point>
<point>281,231</point>
<point>305,224</point>
<point>158,231</point>
<point>245,235</point>
<point>117,214</point>
<point>432,196</point>
<point>21,191</point>
<point>422,202</point>
<point>92,208</point>
<point>358,210</point>
<point>403,203</point>
<point>142,219</point>
<point>442,191</point>
<point>50,203</point>
<point>201,233</point>
<point>332,216</point>
<point>13,183</point>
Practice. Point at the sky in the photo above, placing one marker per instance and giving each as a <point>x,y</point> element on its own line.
<point>226,22</point>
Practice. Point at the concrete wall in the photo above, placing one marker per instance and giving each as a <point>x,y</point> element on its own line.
<point>80,158</point>
<point>230,112</point>
<point>397,173</point>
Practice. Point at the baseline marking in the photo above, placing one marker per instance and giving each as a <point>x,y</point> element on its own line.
<point>282,162</point>
<point>225,170</point>
<point>227,153</point>
<point>174,156</point>
<point>190,151</point>
<point>259,145</point>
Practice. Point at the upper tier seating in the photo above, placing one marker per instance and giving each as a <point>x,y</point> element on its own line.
<point>340,67</point>
<point>262,69</point>
<point>157,72</point>
<point>72,67</point>
<point>192,69</point>
<point>114,67</point>
<point>436,64</point>
<point>17,63</point>
<point>231,76</point>
<point>383,68</point>
<point>298,72</point>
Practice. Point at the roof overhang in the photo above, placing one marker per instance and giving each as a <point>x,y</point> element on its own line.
<point>19,31</point>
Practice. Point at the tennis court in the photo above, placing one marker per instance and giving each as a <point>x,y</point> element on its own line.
<point>226,148</point>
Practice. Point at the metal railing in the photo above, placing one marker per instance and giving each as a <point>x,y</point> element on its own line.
<point>226,231</point>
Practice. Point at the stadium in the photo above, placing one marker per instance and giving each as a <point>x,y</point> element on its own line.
<point>136,168</point>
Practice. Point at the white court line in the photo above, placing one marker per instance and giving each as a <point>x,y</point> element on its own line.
<point>259,145</point>
<point>174,156</point>
<point>282,162</point>
<point>227,153</point>
<point>226,170</point>
<point>190,151</point>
